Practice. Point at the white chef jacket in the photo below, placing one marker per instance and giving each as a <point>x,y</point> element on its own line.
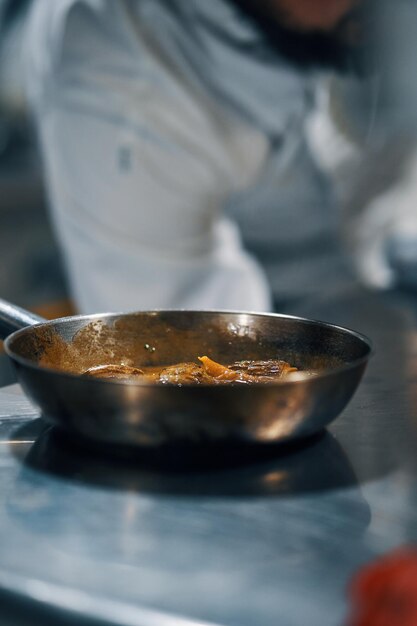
<point>163,123</point>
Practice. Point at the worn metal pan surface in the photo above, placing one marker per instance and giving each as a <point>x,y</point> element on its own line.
<point>50,356</point>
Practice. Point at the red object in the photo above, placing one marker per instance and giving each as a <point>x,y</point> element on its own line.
<point>384,593</point>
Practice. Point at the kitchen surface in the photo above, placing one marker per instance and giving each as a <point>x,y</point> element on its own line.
<point>265,537</point>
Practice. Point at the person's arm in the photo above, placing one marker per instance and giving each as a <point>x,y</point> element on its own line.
<point>374,168</point>
<point>138,169</point>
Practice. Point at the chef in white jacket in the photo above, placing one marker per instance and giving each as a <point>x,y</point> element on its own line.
<point>172,129</point>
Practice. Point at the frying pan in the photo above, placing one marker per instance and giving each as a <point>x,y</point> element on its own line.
<point>50,357</point>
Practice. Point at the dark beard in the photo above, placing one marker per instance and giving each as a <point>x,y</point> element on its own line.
<point>313,50</point>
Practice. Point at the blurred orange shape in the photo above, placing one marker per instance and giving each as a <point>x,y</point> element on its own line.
<point>384,593</point>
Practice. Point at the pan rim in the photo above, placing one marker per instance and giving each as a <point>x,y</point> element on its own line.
<point>28,363</point>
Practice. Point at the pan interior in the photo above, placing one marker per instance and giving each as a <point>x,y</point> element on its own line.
<point>165,338</point>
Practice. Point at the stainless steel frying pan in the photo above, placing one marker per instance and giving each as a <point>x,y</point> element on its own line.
<point>50,356</point>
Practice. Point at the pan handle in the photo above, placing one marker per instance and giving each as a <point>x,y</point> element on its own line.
<point>13,318</point>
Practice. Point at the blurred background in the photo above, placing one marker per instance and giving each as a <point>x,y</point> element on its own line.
<point>31,269</point>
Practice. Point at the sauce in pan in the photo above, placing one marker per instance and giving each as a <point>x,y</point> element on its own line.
<point>207,372</point>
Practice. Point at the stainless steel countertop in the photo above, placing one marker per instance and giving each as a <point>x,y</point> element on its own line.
<point>265,540</point>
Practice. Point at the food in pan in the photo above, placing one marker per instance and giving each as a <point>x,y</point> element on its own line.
<point>207,372</point>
